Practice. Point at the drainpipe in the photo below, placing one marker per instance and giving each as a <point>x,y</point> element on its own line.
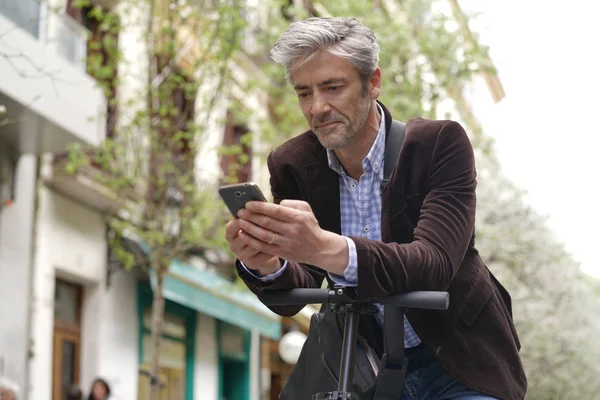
<point>40,161</point>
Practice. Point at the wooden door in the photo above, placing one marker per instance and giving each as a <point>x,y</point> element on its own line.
<point>67,338</point>
<point>66,362</point>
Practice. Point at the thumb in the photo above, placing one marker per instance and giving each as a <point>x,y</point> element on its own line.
<point>296,204</point>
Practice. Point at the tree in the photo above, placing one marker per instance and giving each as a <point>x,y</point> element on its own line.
<point>166,84</point>
<point>554,303</point>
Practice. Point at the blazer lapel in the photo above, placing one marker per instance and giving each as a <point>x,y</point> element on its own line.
<point>324,192</point>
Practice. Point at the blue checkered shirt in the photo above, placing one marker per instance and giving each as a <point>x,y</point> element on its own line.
<point>360,209</point>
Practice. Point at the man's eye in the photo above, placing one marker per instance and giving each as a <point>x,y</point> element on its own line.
<point>301,95</point>
<point>333,88</point>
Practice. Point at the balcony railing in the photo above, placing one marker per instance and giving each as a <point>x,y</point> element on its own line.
<point>67,37</point>
<point>87,185</point>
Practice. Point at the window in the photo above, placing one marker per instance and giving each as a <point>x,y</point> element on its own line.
<point>102,55</point>
<point>24,13</point>
<point>7,177</point>
<point>185,105</point>
<point>234,361</point>
<point>173,96</point>
<point>67,337</point>
<point>236,167</point>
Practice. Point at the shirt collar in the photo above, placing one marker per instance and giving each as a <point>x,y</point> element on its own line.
<point>374,158</point>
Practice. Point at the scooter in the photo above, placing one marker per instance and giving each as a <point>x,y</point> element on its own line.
<point>342,300</point>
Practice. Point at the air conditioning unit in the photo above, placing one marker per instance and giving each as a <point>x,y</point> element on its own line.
<point>7,179</point>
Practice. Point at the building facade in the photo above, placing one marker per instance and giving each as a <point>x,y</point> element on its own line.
<point>41,111</point>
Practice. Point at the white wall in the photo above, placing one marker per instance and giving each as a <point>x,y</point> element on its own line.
<point>206,373</point>
<point>71,244</point>
<point>110,335</point>
<point>16,229</point>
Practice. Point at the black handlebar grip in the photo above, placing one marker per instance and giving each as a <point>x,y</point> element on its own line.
<point>424,299</point>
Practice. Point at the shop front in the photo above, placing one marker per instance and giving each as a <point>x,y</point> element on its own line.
<point>207,349</point>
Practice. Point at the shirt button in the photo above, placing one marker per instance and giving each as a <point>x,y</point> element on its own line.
<point>366,229</point>
<point>353,185</point>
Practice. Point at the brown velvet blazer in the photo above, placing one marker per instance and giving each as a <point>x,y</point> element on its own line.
<point>428,218</point>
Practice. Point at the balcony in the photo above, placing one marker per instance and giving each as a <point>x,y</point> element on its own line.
<point>85,186</point>
<point>49,99</point>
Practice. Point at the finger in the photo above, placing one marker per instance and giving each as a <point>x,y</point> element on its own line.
<point>272,210</point>
<point>258,232</point>
<point>258,244</point>
<point>232,229</point>
<point>249,254</point>
<point>296,204</point>
<point>246,253</point>
<point>264,221</point>
<point>237,246</point>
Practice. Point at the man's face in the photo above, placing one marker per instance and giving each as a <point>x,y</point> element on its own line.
<point>332,99</point>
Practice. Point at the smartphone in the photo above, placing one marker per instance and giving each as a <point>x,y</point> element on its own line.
<point>237,195</point>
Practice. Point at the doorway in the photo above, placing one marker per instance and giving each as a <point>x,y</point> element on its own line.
<point>234,362</point>
<point>67,338</point>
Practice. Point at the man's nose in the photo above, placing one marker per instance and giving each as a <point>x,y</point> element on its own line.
<point>319,106</point>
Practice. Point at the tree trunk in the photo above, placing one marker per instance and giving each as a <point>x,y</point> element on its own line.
<point>158,308</point>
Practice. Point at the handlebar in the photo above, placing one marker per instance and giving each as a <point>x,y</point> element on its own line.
<point>301,296</point>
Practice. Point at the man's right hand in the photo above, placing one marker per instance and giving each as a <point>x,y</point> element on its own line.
<point>264,263</point>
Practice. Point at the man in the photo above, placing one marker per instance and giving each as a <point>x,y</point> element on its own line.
<point>418,234</point>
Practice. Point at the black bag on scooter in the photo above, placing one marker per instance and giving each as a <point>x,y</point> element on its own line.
<point>318,365</point>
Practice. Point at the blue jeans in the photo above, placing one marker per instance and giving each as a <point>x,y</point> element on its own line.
<point>427,380</point>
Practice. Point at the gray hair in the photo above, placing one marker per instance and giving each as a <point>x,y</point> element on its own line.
<point>342,37</point>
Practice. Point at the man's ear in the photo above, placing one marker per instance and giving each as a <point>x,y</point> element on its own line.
<point>375,84</point>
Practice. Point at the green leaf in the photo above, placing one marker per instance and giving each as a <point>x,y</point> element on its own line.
<point>81,3</point>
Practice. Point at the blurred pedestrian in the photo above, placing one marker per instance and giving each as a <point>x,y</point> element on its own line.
<point>99,390</point>
<point>9,390</point>
<point>74,393</point>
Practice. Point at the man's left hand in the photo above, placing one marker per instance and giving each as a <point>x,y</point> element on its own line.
<point>291,231</point>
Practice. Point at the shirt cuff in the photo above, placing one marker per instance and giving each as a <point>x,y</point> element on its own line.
<point>350,277</point>
<point>267,278</point>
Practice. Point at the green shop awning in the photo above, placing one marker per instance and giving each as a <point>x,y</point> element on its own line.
<point>213,295</point>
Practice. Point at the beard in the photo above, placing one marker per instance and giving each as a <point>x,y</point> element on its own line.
<point>340,131</point>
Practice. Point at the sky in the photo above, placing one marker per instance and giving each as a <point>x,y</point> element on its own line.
<point>547,139</point>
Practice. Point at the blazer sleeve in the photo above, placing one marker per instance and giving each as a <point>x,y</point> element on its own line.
<point>443,231</point>
<point>295,275</point>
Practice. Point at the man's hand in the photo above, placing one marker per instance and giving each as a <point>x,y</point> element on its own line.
<point>291,231</point>
<point>264,263</point>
